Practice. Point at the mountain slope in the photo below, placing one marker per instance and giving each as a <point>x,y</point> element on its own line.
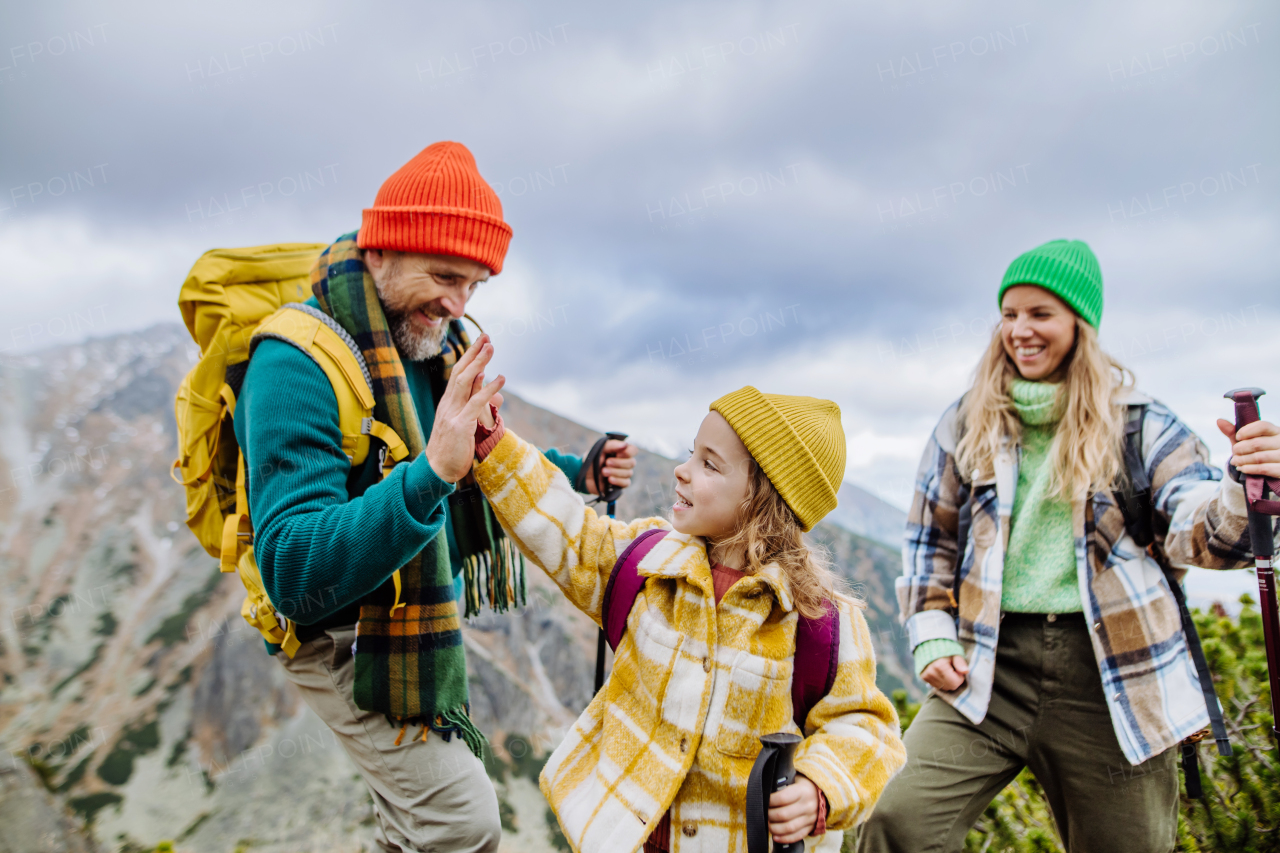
<point>148,707</point>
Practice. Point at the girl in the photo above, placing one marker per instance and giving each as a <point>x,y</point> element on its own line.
<point>1060,647</point>
<point>661,756</point>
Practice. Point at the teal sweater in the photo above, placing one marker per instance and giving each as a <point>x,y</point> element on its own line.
<point>1040,574</point>
<point>326,536</point>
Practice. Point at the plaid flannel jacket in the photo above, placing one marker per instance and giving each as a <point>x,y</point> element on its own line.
<point>1147,672</point>
<point>693,685</point>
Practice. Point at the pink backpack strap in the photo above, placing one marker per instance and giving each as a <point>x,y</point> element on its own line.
<point>817,658</point>
<point>624,585</point>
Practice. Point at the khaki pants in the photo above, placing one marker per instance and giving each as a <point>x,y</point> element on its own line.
<point>428,795</point>
<point>1047,713</point>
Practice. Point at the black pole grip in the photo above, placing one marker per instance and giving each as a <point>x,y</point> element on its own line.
<point>613,491</point>
<point>773,770</point>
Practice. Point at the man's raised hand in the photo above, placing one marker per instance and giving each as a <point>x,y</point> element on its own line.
<point>452,446</point>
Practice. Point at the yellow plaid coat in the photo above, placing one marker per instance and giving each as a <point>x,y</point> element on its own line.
<point>693,685</point>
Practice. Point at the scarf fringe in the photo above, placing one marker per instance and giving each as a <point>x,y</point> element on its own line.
<point>455,721</point>
<point>499,574</point>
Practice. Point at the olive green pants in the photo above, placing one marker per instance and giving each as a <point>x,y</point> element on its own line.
<point>1047,713</point>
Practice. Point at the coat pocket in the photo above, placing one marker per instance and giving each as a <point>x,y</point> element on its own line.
<point>638,683</point>
<point>758,702</point>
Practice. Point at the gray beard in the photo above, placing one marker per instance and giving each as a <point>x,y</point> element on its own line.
<point>414,344</point>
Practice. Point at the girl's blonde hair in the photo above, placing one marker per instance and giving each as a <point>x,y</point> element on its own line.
<point>769,532</point>
<point>1088,446</point>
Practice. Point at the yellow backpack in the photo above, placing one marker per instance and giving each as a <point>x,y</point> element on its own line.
<point>230,298</point>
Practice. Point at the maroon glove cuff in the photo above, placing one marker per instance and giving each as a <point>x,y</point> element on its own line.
<point>487,439</point>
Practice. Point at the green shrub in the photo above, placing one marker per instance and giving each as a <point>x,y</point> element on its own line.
<point>89,806</point>
<point>117,767</point>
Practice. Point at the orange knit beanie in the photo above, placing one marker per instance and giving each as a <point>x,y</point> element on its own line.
<point>437,204</point>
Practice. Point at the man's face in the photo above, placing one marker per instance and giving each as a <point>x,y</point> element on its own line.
<point>420,293</point>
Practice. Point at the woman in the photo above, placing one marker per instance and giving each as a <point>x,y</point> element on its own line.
<point>1060,647</point>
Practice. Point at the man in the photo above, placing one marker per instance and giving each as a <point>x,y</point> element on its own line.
<point>333,537</point>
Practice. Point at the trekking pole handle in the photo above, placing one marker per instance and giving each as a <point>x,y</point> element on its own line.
<point>784,775</point>
<point>1246,400</point>
<point>610,436</point>
<point>1260,535</point>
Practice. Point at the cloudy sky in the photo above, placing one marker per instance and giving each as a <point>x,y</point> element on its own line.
<point>811,198</point>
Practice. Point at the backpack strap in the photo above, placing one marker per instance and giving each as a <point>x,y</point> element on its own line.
<point>322,339</point>
<point>625,582</point>
<point>963,522</point>
<point>816,660</point>
<point>1135,504</point>
<point>236,531</point>
<point>1134,497</point>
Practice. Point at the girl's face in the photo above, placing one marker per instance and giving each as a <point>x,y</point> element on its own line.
<point>712,483</point>
<point>1037,329</point>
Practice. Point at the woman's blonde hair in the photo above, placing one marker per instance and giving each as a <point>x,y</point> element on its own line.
<point>1088,446</point>
<point>769,532</point>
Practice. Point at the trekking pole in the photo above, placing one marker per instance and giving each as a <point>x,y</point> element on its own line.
<point>772,771</point>
<point>1260,536</point>
<point>609,494</point>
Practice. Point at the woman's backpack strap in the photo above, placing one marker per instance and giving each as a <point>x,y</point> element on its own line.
<point>817,658</point>
<point>625,582</point>
<point>1133,498</point>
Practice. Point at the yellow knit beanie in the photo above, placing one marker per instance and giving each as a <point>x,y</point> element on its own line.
<point>799,443</point>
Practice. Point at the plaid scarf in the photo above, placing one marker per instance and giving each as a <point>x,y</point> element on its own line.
<point>410,664</point>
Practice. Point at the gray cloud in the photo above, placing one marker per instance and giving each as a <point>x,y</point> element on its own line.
<point>866,173</point>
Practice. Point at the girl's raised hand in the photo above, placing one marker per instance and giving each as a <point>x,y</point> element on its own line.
<point>452,445</point>
<point>793,811</point>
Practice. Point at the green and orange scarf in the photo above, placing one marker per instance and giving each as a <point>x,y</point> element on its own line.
<point>411,665</point>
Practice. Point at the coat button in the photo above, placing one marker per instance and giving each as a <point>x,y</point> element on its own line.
<point>1052,617</point>
<point>706,664</point>
<point>1097,626</point>
<point>684,744</point>
<point>689,830</point>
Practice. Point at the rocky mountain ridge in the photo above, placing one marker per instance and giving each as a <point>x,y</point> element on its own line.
<point>136,705</point>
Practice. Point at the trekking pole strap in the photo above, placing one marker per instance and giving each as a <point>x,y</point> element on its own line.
<point>594,463</point>
<point>772,770</point>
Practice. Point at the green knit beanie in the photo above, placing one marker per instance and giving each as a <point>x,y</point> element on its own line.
<point>1066,268</point>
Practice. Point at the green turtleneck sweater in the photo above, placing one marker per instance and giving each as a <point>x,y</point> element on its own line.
<point>1040,574</point>
<point>1040,564</point>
